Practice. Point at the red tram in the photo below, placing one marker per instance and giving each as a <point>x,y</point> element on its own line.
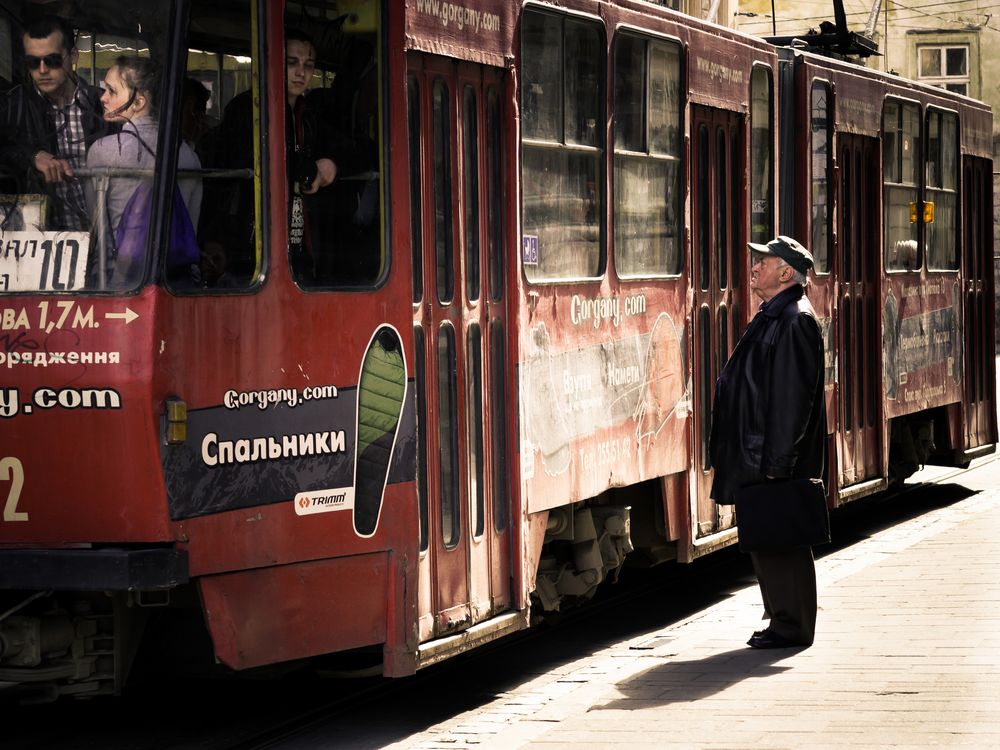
<point>455,388</point>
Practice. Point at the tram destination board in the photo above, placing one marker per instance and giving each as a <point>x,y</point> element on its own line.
<point>43,261</point>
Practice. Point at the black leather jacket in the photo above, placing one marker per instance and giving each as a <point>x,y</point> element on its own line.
<point>26,129</point>
<point>769,416</point>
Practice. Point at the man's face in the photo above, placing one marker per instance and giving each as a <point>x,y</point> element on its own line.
<point>41,56</point>
<point>300,63</point>
<point>768,275</point>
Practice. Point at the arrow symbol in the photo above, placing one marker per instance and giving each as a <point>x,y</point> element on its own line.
<point>128,316</point>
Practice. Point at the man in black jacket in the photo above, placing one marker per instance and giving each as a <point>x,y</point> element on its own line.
<point>769,424</point>
<point>47,125</point>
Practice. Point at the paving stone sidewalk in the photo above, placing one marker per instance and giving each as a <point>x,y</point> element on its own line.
<point>907,655</point>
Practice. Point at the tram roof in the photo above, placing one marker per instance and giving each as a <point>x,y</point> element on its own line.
<point>484,31</point>
<point>861,90</point>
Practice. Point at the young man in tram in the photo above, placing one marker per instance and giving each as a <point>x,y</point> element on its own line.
<point>310,147</point>
<point>49,123</point>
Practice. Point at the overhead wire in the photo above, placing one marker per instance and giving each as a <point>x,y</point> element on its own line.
<point>897,6</point>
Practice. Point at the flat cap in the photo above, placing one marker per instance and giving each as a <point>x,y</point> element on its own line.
<point>788,250</point>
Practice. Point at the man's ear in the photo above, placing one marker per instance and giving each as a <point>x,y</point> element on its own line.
<point>74,55</point>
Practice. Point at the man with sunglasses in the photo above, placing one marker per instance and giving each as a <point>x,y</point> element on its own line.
<point>49,123</point>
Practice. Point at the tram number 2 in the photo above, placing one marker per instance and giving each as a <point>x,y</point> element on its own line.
<point>12,471</point>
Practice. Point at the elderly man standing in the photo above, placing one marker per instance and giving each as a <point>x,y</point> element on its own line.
<point>769,425</point>
<point>49,123</point>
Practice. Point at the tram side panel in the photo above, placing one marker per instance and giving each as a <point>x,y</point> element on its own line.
<point>225,436</point>
<point>900,321</point>
<point>979,282</point>
<point>311,548</point>
<point>929,339</point>
<point>605,351</point>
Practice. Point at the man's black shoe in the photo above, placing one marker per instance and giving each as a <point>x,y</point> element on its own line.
<point>770,639</point>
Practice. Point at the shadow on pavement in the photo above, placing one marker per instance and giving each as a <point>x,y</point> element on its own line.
<point>689,681</point>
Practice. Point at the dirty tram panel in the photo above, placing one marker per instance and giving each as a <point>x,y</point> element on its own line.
<point>384,329</point>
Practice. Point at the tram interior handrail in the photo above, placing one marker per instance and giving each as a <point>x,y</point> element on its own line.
<point>215,174</point>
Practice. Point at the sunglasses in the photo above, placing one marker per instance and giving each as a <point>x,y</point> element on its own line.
<point>54,60</point>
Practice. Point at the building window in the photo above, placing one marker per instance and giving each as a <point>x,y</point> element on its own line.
<point>946,66</point>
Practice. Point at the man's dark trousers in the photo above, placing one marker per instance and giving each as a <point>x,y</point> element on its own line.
<point>787,580</point>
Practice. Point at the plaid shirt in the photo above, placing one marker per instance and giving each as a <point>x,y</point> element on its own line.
<point>69,209</point>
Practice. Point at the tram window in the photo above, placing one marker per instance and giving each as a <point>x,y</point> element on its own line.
<point>737,250</point>
<point>851,376</point>
<point>441,133</point>
<point>761,156</point>
<point>474,391</point>
<point>706,380</point>
<point>495,194</point>
<point>723,322</point>
<point>872,333</point>
<point>582,76</point>
<point>703,228</point>
<point>6,56</point>
<point>819,175</point>
<point>498,413</point>
<point>941,230</point>
<point>562,147</point>
<point>335,219</point>
<point>217,118</point>
<point>447,377</point>
<point>470,173</point>
<point>90,230</point>
<point>416,187</point>
<point>901,154</point>
<point>850,217</point>
<point>862,362</point>
<point>647,109</point>
<point>420,376</point>
<point>722,205</point>
<point>630,93</point>
<point>542,60</point>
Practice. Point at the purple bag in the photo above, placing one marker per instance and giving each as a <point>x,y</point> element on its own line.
<point>130,235</point>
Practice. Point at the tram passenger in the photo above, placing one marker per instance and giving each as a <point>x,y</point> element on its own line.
<point>129,98</point>
<point>197,128</point>
<point>47,124</point>
<point>769,425</point>
<point>347,227</point>
<point>309,148</point>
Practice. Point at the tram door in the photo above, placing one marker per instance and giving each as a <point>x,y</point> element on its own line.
<point>858,304</point>
<point>457,201</point>
<point>718,165</point>
<point>980,420</point>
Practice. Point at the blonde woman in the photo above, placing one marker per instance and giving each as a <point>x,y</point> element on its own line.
<point>129,99</point>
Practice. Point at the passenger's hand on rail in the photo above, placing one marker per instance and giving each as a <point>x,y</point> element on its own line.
<point>52,169</point>
<point>326,172</point>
